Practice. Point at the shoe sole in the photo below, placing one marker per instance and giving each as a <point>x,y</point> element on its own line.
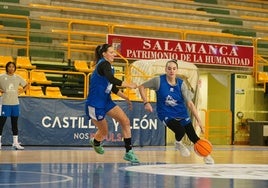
<point>132,162</point>
<point>17,148</point>
<point>129,160</point>
<point>209,163</point>
<point>185,155</point>
<point>92,144</point>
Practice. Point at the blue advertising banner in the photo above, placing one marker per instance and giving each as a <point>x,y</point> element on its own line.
<point>54,122</point>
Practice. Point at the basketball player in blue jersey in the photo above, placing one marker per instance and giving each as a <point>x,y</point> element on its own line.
<point>9,87</point>
<point>99,102</point>
<point>173,98</point>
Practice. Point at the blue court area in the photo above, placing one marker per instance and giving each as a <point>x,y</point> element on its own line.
<point>44,173</point>
<point>109,175</point>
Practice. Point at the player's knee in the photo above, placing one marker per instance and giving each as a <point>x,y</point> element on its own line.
<point>126,122</point>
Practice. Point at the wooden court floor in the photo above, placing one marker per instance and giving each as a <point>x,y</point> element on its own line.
<point>64,167</point>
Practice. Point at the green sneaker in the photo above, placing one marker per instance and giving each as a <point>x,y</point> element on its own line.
<point>98,149</point>
<point>130,156</point>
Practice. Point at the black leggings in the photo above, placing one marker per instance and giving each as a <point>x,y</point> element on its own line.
<point>180,130</point>
<point>14,123</point>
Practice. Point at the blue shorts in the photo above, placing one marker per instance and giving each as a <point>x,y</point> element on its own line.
<point>10,110</point>
<point>182,122</point>
<point>99,113</point>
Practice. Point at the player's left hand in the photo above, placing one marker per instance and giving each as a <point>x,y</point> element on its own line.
<point>201,126</point>
<point>20,90</point>
<point>129,104</point>
<point>202,129</point>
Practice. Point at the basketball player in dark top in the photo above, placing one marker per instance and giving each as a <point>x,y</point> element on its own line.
<point>99,102</point>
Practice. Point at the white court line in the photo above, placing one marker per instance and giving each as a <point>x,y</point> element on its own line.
<point>230,171</point>
<point>66,178</point>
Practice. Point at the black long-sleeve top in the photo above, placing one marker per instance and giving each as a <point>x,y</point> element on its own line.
<point>105,69</point>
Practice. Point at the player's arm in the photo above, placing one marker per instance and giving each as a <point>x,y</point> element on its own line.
<point>152,84</point>
<point>119,93</point>
<point>188,96</point>
<point>24,88</point>
<point>193,109</point>
<point>24,84</point>
<point>122,95</point>
<point>106,70</point>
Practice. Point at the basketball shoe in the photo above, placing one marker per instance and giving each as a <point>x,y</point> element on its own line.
<point>17,146</point>
<point>182,148</point>
<point>98,149</point>
<point>208,160</point>
<point>130,156</point>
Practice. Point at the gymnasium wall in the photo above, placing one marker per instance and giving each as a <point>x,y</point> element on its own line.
<point>251,102</point>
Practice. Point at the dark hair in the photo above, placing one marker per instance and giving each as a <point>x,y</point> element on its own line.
<point>174,61</point>
<point>10,62</point>
<point>99,50</point>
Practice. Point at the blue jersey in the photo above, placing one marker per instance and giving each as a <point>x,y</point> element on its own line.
<point>99,89</point>
<point>170,101</point>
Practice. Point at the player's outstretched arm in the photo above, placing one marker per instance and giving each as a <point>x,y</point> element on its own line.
<point>129,85</point>
<point>193,109</point>
<point>147,106</point>
<point>123,96</point>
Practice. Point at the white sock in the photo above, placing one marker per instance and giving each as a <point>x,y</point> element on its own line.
<point>15,139</point>
<point>0,139</point>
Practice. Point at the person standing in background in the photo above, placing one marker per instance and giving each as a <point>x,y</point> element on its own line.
<point>99,102</point>
<point>173,98</point>
<point>9,87</point>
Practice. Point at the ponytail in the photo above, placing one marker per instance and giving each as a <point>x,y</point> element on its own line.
<point>99,50</point>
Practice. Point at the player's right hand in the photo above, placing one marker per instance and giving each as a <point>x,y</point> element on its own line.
<point>148,107</point>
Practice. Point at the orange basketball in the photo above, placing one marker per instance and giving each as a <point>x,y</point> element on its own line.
<point>203,147</point>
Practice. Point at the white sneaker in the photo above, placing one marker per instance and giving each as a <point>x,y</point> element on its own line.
<point>208,160</point>
<point>17,146</point>
<point>183,149</point>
